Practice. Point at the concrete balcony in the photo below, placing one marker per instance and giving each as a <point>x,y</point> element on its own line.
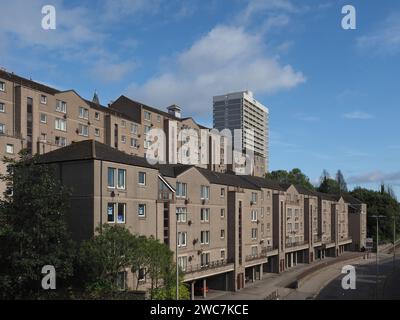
<point>198,271</point>
<point>345,240</point>
<point>295,246</point>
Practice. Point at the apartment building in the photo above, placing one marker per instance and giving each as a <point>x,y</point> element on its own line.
<point>240,110</point>
<point>226,230</point>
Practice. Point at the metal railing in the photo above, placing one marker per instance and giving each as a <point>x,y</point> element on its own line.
<point>257,256</point>
<point>207,266</point>
<point>295,244</point>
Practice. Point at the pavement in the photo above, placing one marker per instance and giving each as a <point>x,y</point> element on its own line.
<point>279,283</point>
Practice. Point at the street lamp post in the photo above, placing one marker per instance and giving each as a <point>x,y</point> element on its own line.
<point>377,252</point>
<point>176,255</point>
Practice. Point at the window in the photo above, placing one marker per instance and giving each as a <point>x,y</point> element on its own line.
<point>111,177</point>
<point>205,193</point>
<point>296,213</point>
<point>147,129</point>
<point>268,194</point>
<point>61,106</point>
<point>223,255</point>
<point>134,143</point>
<point>43,118</point>
<point>222,213</point>
<point>181,190</point>
<point>121,281</point>
<point>2,128</point>
<point>83,130</point>
<point>268,210</point>
<point>205,215</point>
<point>141,210</point>
<point>222,234</point>
<point>289,212</point>
<point>121,179</point>
<point>111,213</point>
<point>158,118</point>
<point>43,99</point>
<point>2,86</point>
<point>262,228</point>
<point>97,132</point>
<point>43,137</point>
<point>254,197</point>
<point>289,227</point>
<point>222,194</point>
<point>268,226</point>
<point>97,116</point>
<point>123,123</point>
<point>147,116</point>
<point>182,239</point>
<point>205,237</point>
<point>60,124</point>
<point>123,139</point>
<point>205,259</point>
<point>134,128</point>
<point>10,148</point>
<point>182,262</point>
<point>296,226</point>
<point>147,144</point>
<point>61,141</point>
<point>254,251</point>
<point>83,113</point>
<point>181,213</point>
<point>121,212</point>
<point>142,275</point>
<point>2,107</point>
<point>262,213</point>
<point>254,232</point>
<point>254,215</point>
<point>142,178</point>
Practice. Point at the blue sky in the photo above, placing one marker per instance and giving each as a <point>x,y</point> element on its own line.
<point>333,94</point>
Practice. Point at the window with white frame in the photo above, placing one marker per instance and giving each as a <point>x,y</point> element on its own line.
<point>182,262</point>
<point>181,213</point>
<point>222,235</point>
<point>97,132</point>
<point>142,275</point>
<point>222,213</point>
<point>147,116</point>
<point>205,259</point>
<point>2,128</point>
<point>10,148</point>
<point>61,141</point>
<point>60,124</point>
<point>222,194</point>
<point>134,128</point>
<point>141,210</point>
<point>121,214</point>
<point>182,239</point>
<point>43,118</point>
<point>254,215</point>
<point>123,123</point>
<point>254,251</point>
<point>296,213</point>
<point>61,106</point>
<point>223,254</point>
<point>147,144</point>
<point>83,113</point>
<point>205,193</point>
<point>254,232</point>
<point>205,237</point>
<point>83,130</point>
<point>121,280</point>
<point>2,107</point>
<point>2,86</point>
<point>254,197</point>
<point>296,226</point>
<point>181,190</point>
<point>204,214</point>
<point>134,143</point>
<point>97,115</point>
<point>289,212</point>
<point>121,179</point>
<point>43,99</point>
<point>123,139</point>
<point>111,177</point>
<point>111,212</point>
<point>158,118</point>
<point>289,227</point>
<point>147,129</point>
<point>142,178</point>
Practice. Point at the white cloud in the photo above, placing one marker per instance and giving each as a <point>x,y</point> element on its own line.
<point>385,39</point>
<point>375,177</point>
<point>357,115</point>
<point>224,60</point>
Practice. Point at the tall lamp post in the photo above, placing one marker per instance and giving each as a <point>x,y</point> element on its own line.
<point>377,251</point>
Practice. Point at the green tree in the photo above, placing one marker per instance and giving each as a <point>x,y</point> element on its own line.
<point>295,176</point>
<point>33,230</point>
<point>341,181</point>
<point>330,186</point>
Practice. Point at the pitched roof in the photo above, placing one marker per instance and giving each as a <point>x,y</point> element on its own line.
<point>350,199</point>
<point>263,183</point>
<point>92,150</point>
<point>10,76</point>
<point>173,170</point>
<point>226,179</point>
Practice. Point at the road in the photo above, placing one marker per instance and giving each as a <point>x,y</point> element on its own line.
<point>366,289</point>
